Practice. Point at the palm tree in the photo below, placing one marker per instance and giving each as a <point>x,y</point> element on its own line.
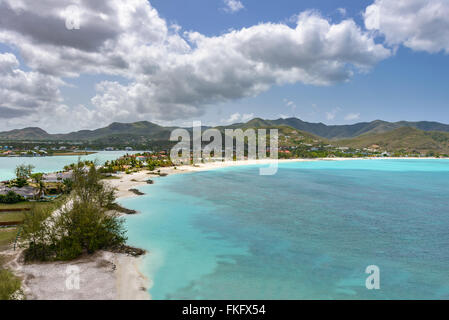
<point>41,189</point>
<point>37,177</point>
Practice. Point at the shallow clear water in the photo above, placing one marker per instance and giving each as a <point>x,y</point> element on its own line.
<point>308,232</point>
<point>52,164</point>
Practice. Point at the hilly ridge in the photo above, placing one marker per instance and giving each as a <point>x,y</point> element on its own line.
<point>354,130</point>
<point>408,139</point>
<point>145,131</point>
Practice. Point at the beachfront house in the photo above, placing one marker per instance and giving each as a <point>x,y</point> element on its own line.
<point>27,192</point>
<point>57,177</point>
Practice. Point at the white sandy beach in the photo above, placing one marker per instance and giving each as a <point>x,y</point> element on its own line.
<point>102,276</point>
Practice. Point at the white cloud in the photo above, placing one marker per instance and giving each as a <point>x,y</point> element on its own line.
<point>171,76</point>
<point>421,25</point>
<point>342,11</point>
<point>237,117</point>
<point>23,92</point>
<point>331,115</point>
<point>352,116</point>
<point>290,104</point>
<point>245,63</point>
<point>233,5</point>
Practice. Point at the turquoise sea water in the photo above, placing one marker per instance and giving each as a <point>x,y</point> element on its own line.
<point>307,232</point>
<point>52,164</point>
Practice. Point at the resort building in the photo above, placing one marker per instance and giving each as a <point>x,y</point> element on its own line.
<point>27,192</point>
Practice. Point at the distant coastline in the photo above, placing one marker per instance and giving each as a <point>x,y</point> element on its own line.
<point>57,154</point>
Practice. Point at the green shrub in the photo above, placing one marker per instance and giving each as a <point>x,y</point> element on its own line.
<point>87,228</point>
<point>11,197</point>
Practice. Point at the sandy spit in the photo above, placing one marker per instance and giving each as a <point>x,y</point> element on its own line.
<point>101,276</point>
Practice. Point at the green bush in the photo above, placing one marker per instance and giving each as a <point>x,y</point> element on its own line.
<point>11,197</point>
<point>19,182</point>
<point>35,234</point>
<point>87,228</point>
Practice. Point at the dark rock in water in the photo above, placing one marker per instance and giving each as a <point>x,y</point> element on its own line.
<point>137,192</point>
<point>163,174</point>
<point>135,252</point>
<point>119,208</point>
<point>149,181</point>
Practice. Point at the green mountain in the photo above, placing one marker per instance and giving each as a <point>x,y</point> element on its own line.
<point>341,131</point>
<point>426,134</point>
<point>406,138</point>
<point>25,134</point>
<point>113,132</point>
<point>142,128</point>
<point>284,129</point>
<point>354,130</point>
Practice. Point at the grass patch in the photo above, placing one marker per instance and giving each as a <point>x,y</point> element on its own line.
<point>20,216</point>
<point>15,205</point>
<point>30,204</point>
<point>7,217</point>
<point>22,205</point>
<point>9,284</point>
<point>34,204</point>
<point>7,235</point>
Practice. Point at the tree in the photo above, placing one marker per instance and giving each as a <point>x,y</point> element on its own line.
<point>37,177</point>
<point>81,226</point>
<point>24,171</point>
<point>68,185</point>
<point>88,187</point>
<point>36,234</point>
<point>87,228</point>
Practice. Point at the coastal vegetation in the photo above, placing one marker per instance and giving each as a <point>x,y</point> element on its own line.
<point>136,162</point>
<point>82,225</point>
<point>81,221</point>
<point>9,284</point>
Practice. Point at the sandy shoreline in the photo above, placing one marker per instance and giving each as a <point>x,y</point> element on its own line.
<point>101,276</point>
<point>125,182</point>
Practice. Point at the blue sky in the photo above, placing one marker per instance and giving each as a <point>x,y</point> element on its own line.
<point>398,67</point>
